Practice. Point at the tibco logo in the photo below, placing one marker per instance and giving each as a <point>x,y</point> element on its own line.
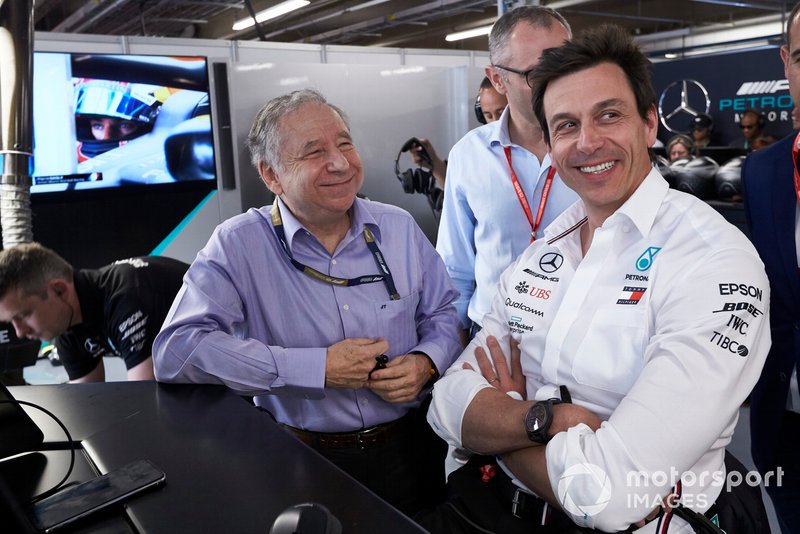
<point>765,87</point>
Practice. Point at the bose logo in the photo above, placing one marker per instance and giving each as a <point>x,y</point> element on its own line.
<point>760,88</point>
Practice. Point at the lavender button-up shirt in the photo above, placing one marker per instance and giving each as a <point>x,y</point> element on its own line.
<point>246,318</point>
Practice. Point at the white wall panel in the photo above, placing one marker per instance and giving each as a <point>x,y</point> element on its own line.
<point>386,106</point>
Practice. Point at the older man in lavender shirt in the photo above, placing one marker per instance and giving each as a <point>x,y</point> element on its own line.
<point>299,304</point>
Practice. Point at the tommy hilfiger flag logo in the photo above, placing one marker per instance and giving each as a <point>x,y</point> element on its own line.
<point>631,295</point>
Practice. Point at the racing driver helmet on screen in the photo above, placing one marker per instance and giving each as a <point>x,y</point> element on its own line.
<point>110,113</point>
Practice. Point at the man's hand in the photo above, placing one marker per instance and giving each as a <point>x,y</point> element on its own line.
<point>402,379</point>
<point>437,166</point>
<point>416,154</point>
<point>499,375</point>
<point>349,361</point>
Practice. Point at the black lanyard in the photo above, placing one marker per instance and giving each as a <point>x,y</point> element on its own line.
<point>386,277</point>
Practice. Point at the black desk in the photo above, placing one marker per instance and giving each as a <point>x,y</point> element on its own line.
<point>229,467</point>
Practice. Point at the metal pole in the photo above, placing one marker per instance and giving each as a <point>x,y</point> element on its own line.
<point>16,119</point>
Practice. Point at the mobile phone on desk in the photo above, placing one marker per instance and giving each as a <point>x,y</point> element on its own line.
<point>76,502</point>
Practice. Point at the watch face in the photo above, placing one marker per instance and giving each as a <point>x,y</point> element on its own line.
<point>535,418</point>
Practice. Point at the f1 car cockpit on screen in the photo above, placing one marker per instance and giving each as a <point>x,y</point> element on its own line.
<point>104,121</point>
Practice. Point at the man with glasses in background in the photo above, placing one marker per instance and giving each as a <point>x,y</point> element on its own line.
<point>751,123</point>
<point>501,189</point>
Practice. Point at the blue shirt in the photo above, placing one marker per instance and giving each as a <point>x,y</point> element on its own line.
<point>246,318</point>
<point>483,226</point>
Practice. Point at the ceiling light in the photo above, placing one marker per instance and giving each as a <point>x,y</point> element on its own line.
<point>365,5</point>
<point>270,13</point>
<point>476,32</point>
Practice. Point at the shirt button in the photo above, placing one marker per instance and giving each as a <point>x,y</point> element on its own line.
<point>333,262</point>
<point>626,229</point>
<point>364,401</point>
<point>346,307</point>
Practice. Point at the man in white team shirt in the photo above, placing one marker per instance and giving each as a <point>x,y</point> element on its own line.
<point>640,301</point>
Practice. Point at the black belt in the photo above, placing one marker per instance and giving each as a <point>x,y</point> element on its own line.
<point>358,439</point>
<point>521,504</point>
<point>528,507</point>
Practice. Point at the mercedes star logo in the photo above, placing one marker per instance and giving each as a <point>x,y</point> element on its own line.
<point>680,102</point>
<point>91,345</point>
<point>551,262</point>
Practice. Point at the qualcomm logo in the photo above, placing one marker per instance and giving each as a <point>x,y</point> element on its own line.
<point>765,87</point>
<point>584,490</point>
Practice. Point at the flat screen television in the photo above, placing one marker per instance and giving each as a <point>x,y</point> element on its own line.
<point>110,121</point>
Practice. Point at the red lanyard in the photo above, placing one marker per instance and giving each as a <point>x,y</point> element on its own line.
<point>523,200</point>
<point>795,154</point>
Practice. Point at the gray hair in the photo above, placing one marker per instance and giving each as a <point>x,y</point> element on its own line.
<point>265,137</point>
<point>29,267</point>
<point>536,16</point>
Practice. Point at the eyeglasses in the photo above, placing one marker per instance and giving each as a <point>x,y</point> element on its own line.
<point>524,73</point>
<point>747,126</point>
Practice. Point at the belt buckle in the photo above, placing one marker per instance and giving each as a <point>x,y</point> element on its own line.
<point>516,503</point>
<point>362,434</point>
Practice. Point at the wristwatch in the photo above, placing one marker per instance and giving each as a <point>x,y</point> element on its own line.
<point>538,419</point>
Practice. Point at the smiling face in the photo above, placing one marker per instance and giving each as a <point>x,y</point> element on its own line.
<point>598,139</point>
<point>320,170</point>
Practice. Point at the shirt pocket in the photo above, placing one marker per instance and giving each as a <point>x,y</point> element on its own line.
<point>397,323</point>
<point>611,355</point>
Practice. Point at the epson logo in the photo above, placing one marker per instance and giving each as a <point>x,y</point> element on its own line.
<point>765,87</point>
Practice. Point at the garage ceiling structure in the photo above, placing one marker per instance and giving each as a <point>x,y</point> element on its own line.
<point>392,23</point>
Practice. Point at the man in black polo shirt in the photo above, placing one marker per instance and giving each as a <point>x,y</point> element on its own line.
<point>115,310</point>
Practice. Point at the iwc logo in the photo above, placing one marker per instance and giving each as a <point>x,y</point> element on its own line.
<point>680,102</point>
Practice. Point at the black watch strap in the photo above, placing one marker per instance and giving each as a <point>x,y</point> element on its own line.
<point>538,420</point>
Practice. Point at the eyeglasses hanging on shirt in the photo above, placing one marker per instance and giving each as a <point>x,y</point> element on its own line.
<point>523,200</point>
<point>386,277</point>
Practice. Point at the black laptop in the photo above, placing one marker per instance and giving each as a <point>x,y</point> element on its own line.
<point>18,434</point>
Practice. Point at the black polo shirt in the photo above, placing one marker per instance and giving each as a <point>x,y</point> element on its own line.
<point>123,306</point>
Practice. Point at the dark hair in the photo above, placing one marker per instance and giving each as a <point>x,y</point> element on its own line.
<point>536,16</point>
<point>605,44</point>
<point>29,267</point>
<point>486,83</point>
<point>792,15</point>
<point>755,113</point>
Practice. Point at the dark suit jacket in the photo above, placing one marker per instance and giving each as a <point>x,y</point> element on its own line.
<point>770,204</point>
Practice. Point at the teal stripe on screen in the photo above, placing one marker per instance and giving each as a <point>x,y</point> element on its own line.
<point>178,229</point>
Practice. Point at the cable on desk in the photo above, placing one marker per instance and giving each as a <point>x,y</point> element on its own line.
<point>58,486</point>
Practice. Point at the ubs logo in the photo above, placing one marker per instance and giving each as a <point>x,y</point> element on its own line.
<point>680,102</point>
<point>551,262</point>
